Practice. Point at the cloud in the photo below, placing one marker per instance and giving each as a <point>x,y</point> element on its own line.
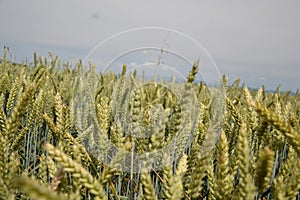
<point>95,16</point>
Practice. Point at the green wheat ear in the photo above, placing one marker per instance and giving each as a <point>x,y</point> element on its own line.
<point>2,114</point>
<point>14,121</point>
<point>193,72</point>
<point>291,135</point>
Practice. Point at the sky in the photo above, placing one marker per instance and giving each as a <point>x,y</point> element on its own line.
<point>257,41</point>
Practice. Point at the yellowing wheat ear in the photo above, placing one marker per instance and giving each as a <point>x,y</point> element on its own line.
<point>223,183</point>
<point>264,169</point>
<point>33,188</point>
<point>147,185</point>
<point>246,181</point>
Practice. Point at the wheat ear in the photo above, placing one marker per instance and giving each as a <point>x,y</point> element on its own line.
<point>77,171</point>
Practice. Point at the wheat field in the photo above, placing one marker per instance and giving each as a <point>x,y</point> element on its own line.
<point>44,154</point>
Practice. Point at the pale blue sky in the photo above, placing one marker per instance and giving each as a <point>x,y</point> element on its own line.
<point>258,41</point>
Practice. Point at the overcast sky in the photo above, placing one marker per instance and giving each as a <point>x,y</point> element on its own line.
<point>258,41</point>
